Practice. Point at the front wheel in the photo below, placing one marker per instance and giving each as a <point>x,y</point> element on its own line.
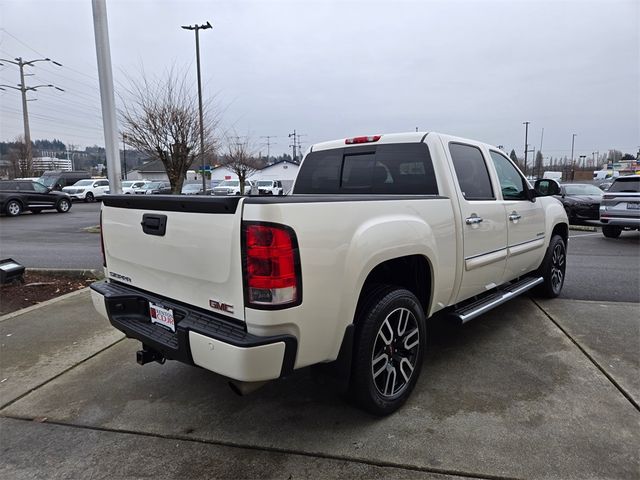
<point>611,231</point>
<point>89,197</point>
<point>388,350</point>
<point>553,268</point>
<point>63,205</point>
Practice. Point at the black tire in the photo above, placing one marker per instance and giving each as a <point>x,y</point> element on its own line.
<point>63,205</point>
<point>389,347</point>
<point>89,198</point>
<point>553,268</point>
<point>36,210</point>
<point>13,208</point>
<point>610,231</point>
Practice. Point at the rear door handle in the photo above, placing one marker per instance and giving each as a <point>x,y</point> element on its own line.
<point>473,220</point>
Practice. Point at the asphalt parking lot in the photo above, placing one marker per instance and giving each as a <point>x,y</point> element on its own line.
<point>534,389</point>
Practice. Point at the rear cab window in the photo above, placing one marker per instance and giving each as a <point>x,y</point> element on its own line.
<point>471,172</point>
<point>391,169</point>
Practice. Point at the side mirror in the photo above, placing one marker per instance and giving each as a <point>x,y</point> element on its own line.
<point>545,187</point>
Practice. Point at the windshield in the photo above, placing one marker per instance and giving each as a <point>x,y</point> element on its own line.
<point>48,180</point>
<point>264,183</point>
<point>152,185</point>
<point>631,185</point>
<point>127,183</point>
<point>229,183</point>
<point>83,183</point>
<point>582,189</point>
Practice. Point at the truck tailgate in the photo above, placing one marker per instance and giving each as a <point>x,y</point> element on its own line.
<point>196,260</point>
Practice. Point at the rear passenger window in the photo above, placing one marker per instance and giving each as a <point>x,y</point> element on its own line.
<point>471,171</point>
<point>404,169</point>
<point>28,186</point>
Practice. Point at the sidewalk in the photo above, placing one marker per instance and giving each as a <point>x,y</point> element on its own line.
<point>531,390</point>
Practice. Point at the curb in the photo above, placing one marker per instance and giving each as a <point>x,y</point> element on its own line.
<point>43,304</point>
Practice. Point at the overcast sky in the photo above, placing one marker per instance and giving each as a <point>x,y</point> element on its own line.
<point>330,69</point>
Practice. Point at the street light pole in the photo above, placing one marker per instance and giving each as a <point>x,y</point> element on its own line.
<point>573,139</point>
<point>526,145</point>
<point>197,29</point>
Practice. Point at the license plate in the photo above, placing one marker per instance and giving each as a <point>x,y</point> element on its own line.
<point>162,316</point>
<point>633,206</point>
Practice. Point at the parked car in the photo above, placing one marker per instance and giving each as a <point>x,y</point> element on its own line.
<point>232,187</point>
<point>194,189</point>
<point>604,186</point>
<point>620,207</point>
<point>269,187</point>
<point>88,190</point>
<point>581,201</point>
<point>156,188</point>
<point>17,196</point>
<point>129,186</point>
<point>58,179</point>
<point>379,234</point>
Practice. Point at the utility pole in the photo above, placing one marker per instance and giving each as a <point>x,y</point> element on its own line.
<point>268,144</point>
<point>573,140</point>
<point>526,145</point>
<point>23,89</point>
<point>197,29</point>
<point>124,154</point>
<point>294,144</point>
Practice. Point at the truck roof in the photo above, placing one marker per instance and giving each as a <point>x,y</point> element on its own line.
<point>405,137</point>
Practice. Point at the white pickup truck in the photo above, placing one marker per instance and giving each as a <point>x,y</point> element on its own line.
<point>379,234</point>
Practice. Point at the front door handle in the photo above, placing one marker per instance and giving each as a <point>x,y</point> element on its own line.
<point>473,220</point>
<point>515,216</point>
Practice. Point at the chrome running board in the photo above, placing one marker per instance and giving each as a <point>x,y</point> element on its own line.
<point>472,310</point>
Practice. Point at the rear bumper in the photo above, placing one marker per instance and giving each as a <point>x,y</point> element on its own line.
<point>201,338</point>
<point>631,222</point>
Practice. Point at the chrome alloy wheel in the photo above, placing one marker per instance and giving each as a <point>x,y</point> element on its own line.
<point>558,265</point>
<point>13,208</point>
<point>395,352</point>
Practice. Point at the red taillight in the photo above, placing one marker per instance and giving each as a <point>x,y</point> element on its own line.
<point>104,258</point>
<point>271,266</point>
<point>369,139</point>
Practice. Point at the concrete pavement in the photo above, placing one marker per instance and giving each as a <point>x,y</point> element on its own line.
<point>534,389</point>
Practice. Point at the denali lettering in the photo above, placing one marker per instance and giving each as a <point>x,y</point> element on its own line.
<point>120,277</point>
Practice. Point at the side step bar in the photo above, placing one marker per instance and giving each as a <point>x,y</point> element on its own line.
<point>470,311</point>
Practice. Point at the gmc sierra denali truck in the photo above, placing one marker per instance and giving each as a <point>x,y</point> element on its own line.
<point>379,234</point>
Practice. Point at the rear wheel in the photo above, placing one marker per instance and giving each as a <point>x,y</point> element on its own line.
<point>89,197</point>
<point>388,350</point>
<point>63,205</point>
<point>13,208</point>
<point>611,231</point>
<point>553,268</point>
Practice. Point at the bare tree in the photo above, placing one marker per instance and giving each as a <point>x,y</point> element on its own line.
<point>239,157</point>
<point>161,118</point>
<point>21,164</point>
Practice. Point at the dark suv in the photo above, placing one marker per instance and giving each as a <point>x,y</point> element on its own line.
<point>19,195</point>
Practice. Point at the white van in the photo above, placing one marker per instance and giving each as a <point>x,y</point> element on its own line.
<point>605,174</point>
